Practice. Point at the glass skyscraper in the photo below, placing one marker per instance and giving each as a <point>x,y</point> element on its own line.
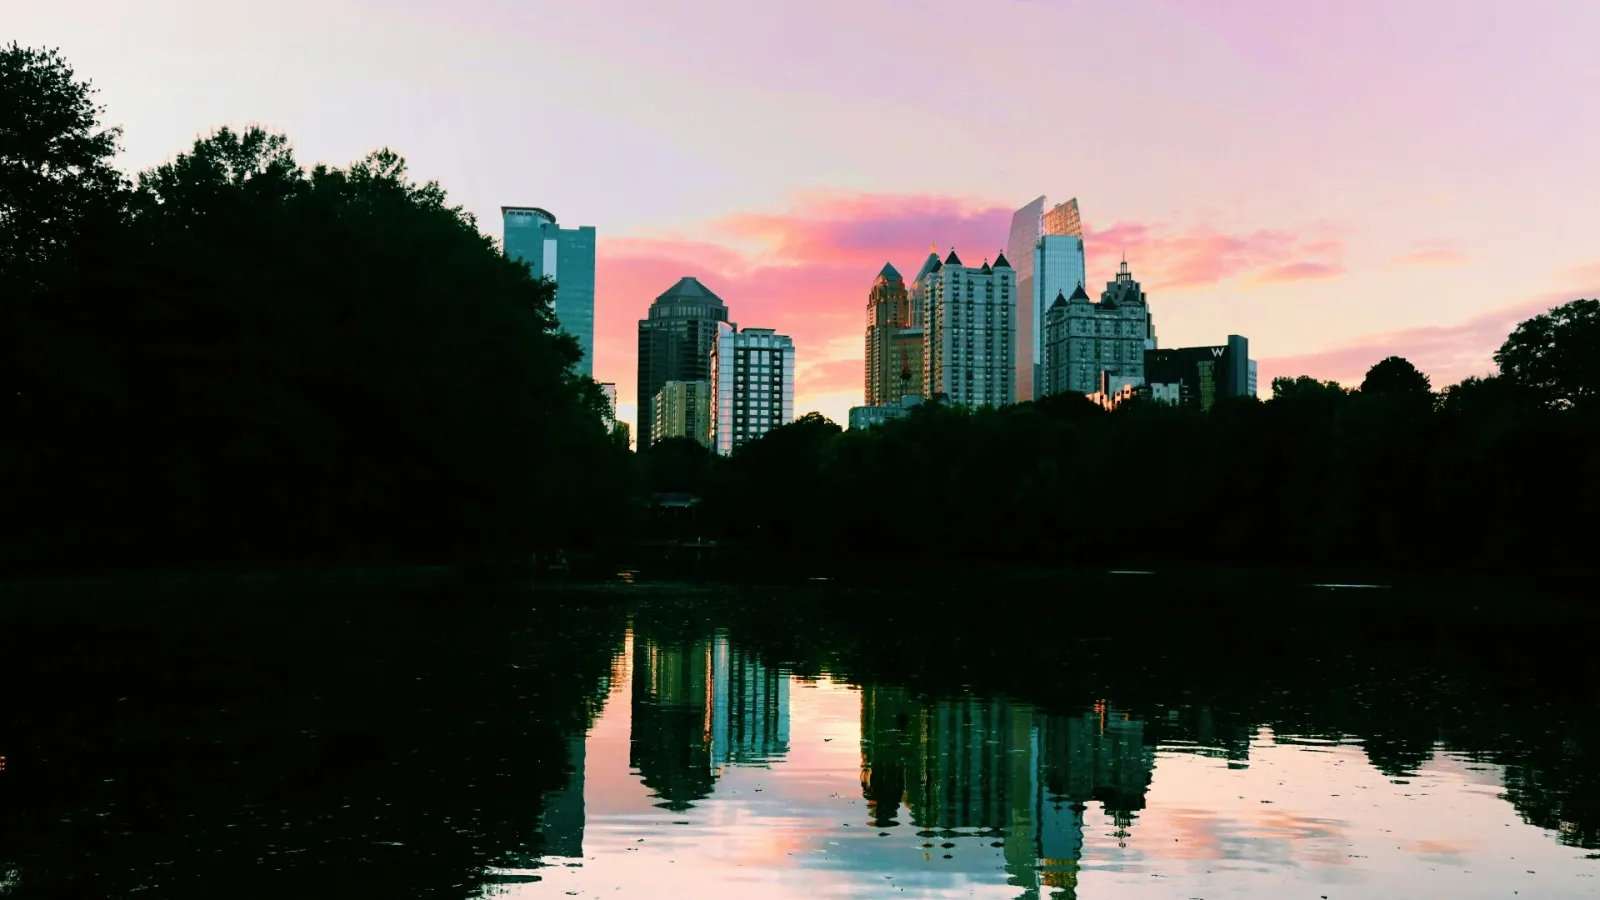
<point>1046,247</point>
<point>565,256</point>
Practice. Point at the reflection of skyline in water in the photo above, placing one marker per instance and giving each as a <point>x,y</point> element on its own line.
<point>1001,785</point>
<point>991,768</point>
<point>700,705</point>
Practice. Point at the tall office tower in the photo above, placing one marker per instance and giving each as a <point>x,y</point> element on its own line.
<point>675,344</point>
<point>968,337</point>
<point>894,345</point>
<point>683,409</point>
<point>565,256</point>
<point>1046,246</point>
<point>1084,339</point>
<point>752,377</point>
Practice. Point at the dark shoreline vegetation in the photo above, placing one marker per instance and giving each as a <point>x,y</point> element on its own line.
<point>234,361</point>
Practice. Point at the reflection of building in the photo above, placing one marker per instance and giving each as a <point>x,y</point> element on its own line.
<point>967,331</point>
<point>975,765</point>
<point>671,748</point>
<point>683,409</point>
<point>750,709</point>
<point>562,825</point>
<point>675,344</point>
<point>1199,376</point>
<point>565,256</point>
<point>752,378</point>
<point>1088,344</point>
<point>698,706</point>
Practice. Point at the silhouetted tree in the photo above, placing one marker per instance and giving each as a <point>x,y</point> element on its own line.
<point>55,163</point>
<point>1556,356</point>
<point>1397,377</point>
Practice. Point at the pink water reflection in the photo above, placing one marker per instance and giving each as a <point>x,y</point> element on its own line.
<point>811,789</point>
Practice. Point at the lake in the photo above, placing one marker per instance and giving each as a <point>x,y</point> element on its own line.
<point>1115,737</point>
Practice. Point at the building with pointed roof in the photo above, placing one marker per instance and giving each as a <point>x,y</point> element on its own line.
<point>968,334</point>
<point>1099,347</point>
<point>893,361</point>
<point>675,343</point>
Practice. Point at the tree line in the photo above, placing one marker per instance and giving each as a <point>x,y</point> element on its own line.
<point>1496,472</point>
<point>233,358</point>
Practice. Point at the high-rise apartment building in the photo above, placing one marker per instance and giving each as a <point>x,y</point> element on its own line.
<point>1085,340</point>
<point>683,409</point>
<point>1046,245</point>
<point>968,336</point>
<point>565,256</point>
<point>893,342</point>
<point>675,344</point>
<point>752,374</point>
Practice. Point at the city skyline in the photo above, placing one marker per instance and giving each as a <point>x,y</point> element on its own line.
<point>1317,180</point>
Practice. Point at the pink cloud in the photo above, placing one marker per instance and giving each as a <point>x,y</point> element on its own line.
<point>806,270</point>
<point>1427,258</point>
<point>1168,260</point>
<point>1298,271</point>
<point>1447,353</point>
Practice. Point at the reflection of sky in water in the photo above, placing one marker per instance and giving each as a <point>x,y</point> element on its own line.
<point>785,787</point>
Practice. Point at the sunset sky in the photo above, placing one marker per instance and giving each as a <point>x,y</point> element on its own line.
<point>1337,180</point>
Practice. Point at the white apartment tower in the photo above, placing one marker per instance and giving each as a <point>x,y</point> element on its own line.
<point>752,372</point>
<point>968,333</point>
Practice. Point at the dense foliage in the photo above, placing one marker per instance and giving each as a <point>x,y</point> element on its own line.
<point>239,359</point>
<point>1492,472</point>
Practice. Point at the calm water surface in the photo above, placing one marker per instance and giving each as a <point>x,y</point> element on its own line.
<point>769,744</point>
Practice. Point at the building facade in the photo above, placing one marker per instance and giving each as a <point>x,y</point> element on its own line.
<point>608,390</point>
<point>752,376</point>
<point>893,342</point>
<point>1098,347</point>
<point>675,344</point>
<point>565,256</point>
<point>683,409</point>
<point>1199,376</point>
<point>1046,246</point>
<point>968,332</point>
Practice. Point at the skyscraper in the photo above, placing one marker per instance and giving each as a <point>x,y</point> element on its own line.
<point>752,379</point>
<point>565,256</point>
<point>675,344</point>
<point>968,338</point>
<point>1084,339</point>
<point>893,343</point>
<point>1046,246</point>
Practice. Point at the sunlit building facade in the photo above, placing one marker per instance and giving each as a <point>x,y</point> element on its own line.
<point>683,409</point>
<point>752,375</point>
<point>675,344</point>
<point>968,337</point>
<point>1098,347</point>
<point>565,256</point>
<point>893,341</point>
<point>1046,246</point>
